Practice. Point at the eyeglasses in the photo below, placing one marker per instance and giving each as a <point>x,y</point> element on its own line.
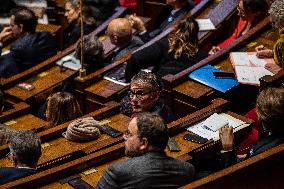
<point>140,94</point>
<point>127,134</point>
<point>9,156</point>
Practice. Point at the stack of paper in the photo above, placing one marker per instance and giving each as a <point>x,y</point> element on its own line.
<point>209,128</point>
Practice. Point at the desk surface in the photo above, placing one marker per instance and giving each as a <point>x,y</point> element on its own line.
<point>26,122</point>
<point>43,81</point>
<point>194,89</point>
<point>93,174</point>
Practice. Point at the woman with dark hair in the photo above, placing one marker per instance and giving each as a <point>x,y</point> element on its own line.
<point>93,53</point>
<point>170,55</point>
<point>251,12</point>
<point>61,107</point>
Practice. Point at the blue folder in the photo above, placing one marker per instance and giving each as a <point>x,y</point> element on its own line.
<point>205,76</point>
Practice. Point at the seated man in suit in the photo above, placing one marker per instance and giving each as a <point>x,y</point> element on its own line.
<point>179,8</point>
<point>149,167</point>
<point>25,151</point>
<point>144,96</point>
<point>120,33</point>
<point>30,48</point>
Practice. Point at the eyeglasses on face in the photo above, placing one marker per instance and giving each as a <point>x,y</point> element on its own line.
<point>140,94</point>
<point>128,134</point>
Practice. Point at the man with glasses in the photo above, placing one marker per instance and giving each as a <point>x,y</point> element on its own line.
<point>149,166</point>
<point>144,96</point>
<point>30,47</point>
<point>25,151</point>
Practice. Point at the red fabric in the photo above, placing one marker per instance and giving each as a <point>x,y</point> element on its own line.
<point>196,1</point>
<point>252,138</point>
<point>237,33</point>
<point>128,3</point>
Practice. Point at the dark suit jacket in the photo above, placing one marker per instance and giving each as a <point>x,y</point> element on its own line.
<point>265,143</point>
<point>151,170</point>
<point>134,44</point>
<point>73,32</point>
<point>168,22</point>
<point>26,52</point>
<point>11,173</point>
<point>164,63</point>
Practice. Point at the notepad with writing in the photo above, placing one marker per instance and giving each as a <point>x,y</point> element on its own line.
<point>205,76</point>
<point>249,68</point>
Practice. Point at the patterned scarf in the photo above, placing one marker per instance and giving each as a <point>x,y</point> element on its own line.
<point>278,48</point>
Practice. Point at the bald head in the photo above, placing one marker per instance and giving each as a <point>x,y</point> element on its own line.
<point>119,31</point>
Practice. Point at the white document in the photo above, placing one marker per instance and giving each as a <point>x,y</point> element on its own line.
<point>248,67</point>
<point>205,24</point>
<point>204,132</point>
<point>70,62</point>
<point>214,122</point>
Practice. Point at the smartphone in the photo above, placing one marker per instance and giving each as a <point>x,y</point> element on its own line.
<point>223,75</point>
<point>25,86</point>
<point>195,138</point>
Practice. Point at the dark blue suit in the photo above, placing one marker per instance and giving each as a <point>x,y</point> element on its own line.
<point>8,174</point>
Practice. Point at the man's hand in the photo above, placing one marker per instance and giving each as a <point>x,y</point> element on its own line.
<point>5,33</point>
<point>137,23</point>
<point>274,68</point>
<point>263,52</point>
<point>214,50</point>
<point>227,138</point>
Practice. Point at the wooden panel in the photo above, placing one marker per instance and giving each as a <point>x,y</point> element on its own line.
<point>52,77</point>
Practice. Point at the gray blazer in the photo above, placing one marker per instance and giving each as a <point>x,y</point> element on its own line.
<point>151,170</point>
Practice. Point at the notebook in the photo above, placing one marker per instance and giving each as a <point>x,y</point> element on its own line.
<point>249,68</point>
<point>205,76</point>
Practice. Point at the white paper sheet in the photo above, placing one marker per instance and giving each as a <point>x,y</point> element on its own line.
<point>205,24</point>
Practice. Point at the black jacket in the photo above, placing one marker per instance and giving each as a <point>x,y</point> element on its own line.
<point>26,52</point>
<point>11,173</point>
<point>164,63</point>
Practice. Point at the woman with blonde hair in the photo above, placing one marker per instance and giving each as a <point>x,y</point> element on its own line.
<point>170,55</point>
<point>61,107</point>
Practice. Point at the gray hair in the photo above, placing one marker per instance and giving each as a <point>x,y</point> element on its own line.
<point>26,146</point>
<point>277,10</point>
<point>74,3</point>
<point>149,79</point>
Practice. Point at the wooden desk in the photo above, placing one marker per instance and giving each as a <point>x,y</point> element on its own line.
<point>43,81</point>
<point>213,12</point>
<point>93,174</point>
<point>193,92</point>
<point>261,171</point>
<point>115,151</point>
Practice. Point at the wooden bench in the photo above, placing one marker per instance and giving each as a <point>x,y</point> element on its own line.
<point>115,150</point>
<point>113,91</point>
<point>261,171</point>
<point>193,92</point>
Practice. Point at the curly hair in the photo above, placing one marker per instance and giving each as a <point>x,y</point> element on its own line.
<point>184,39</point>
<point>270,109</point>
<point>277,10</point>
<point>149,79</point>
